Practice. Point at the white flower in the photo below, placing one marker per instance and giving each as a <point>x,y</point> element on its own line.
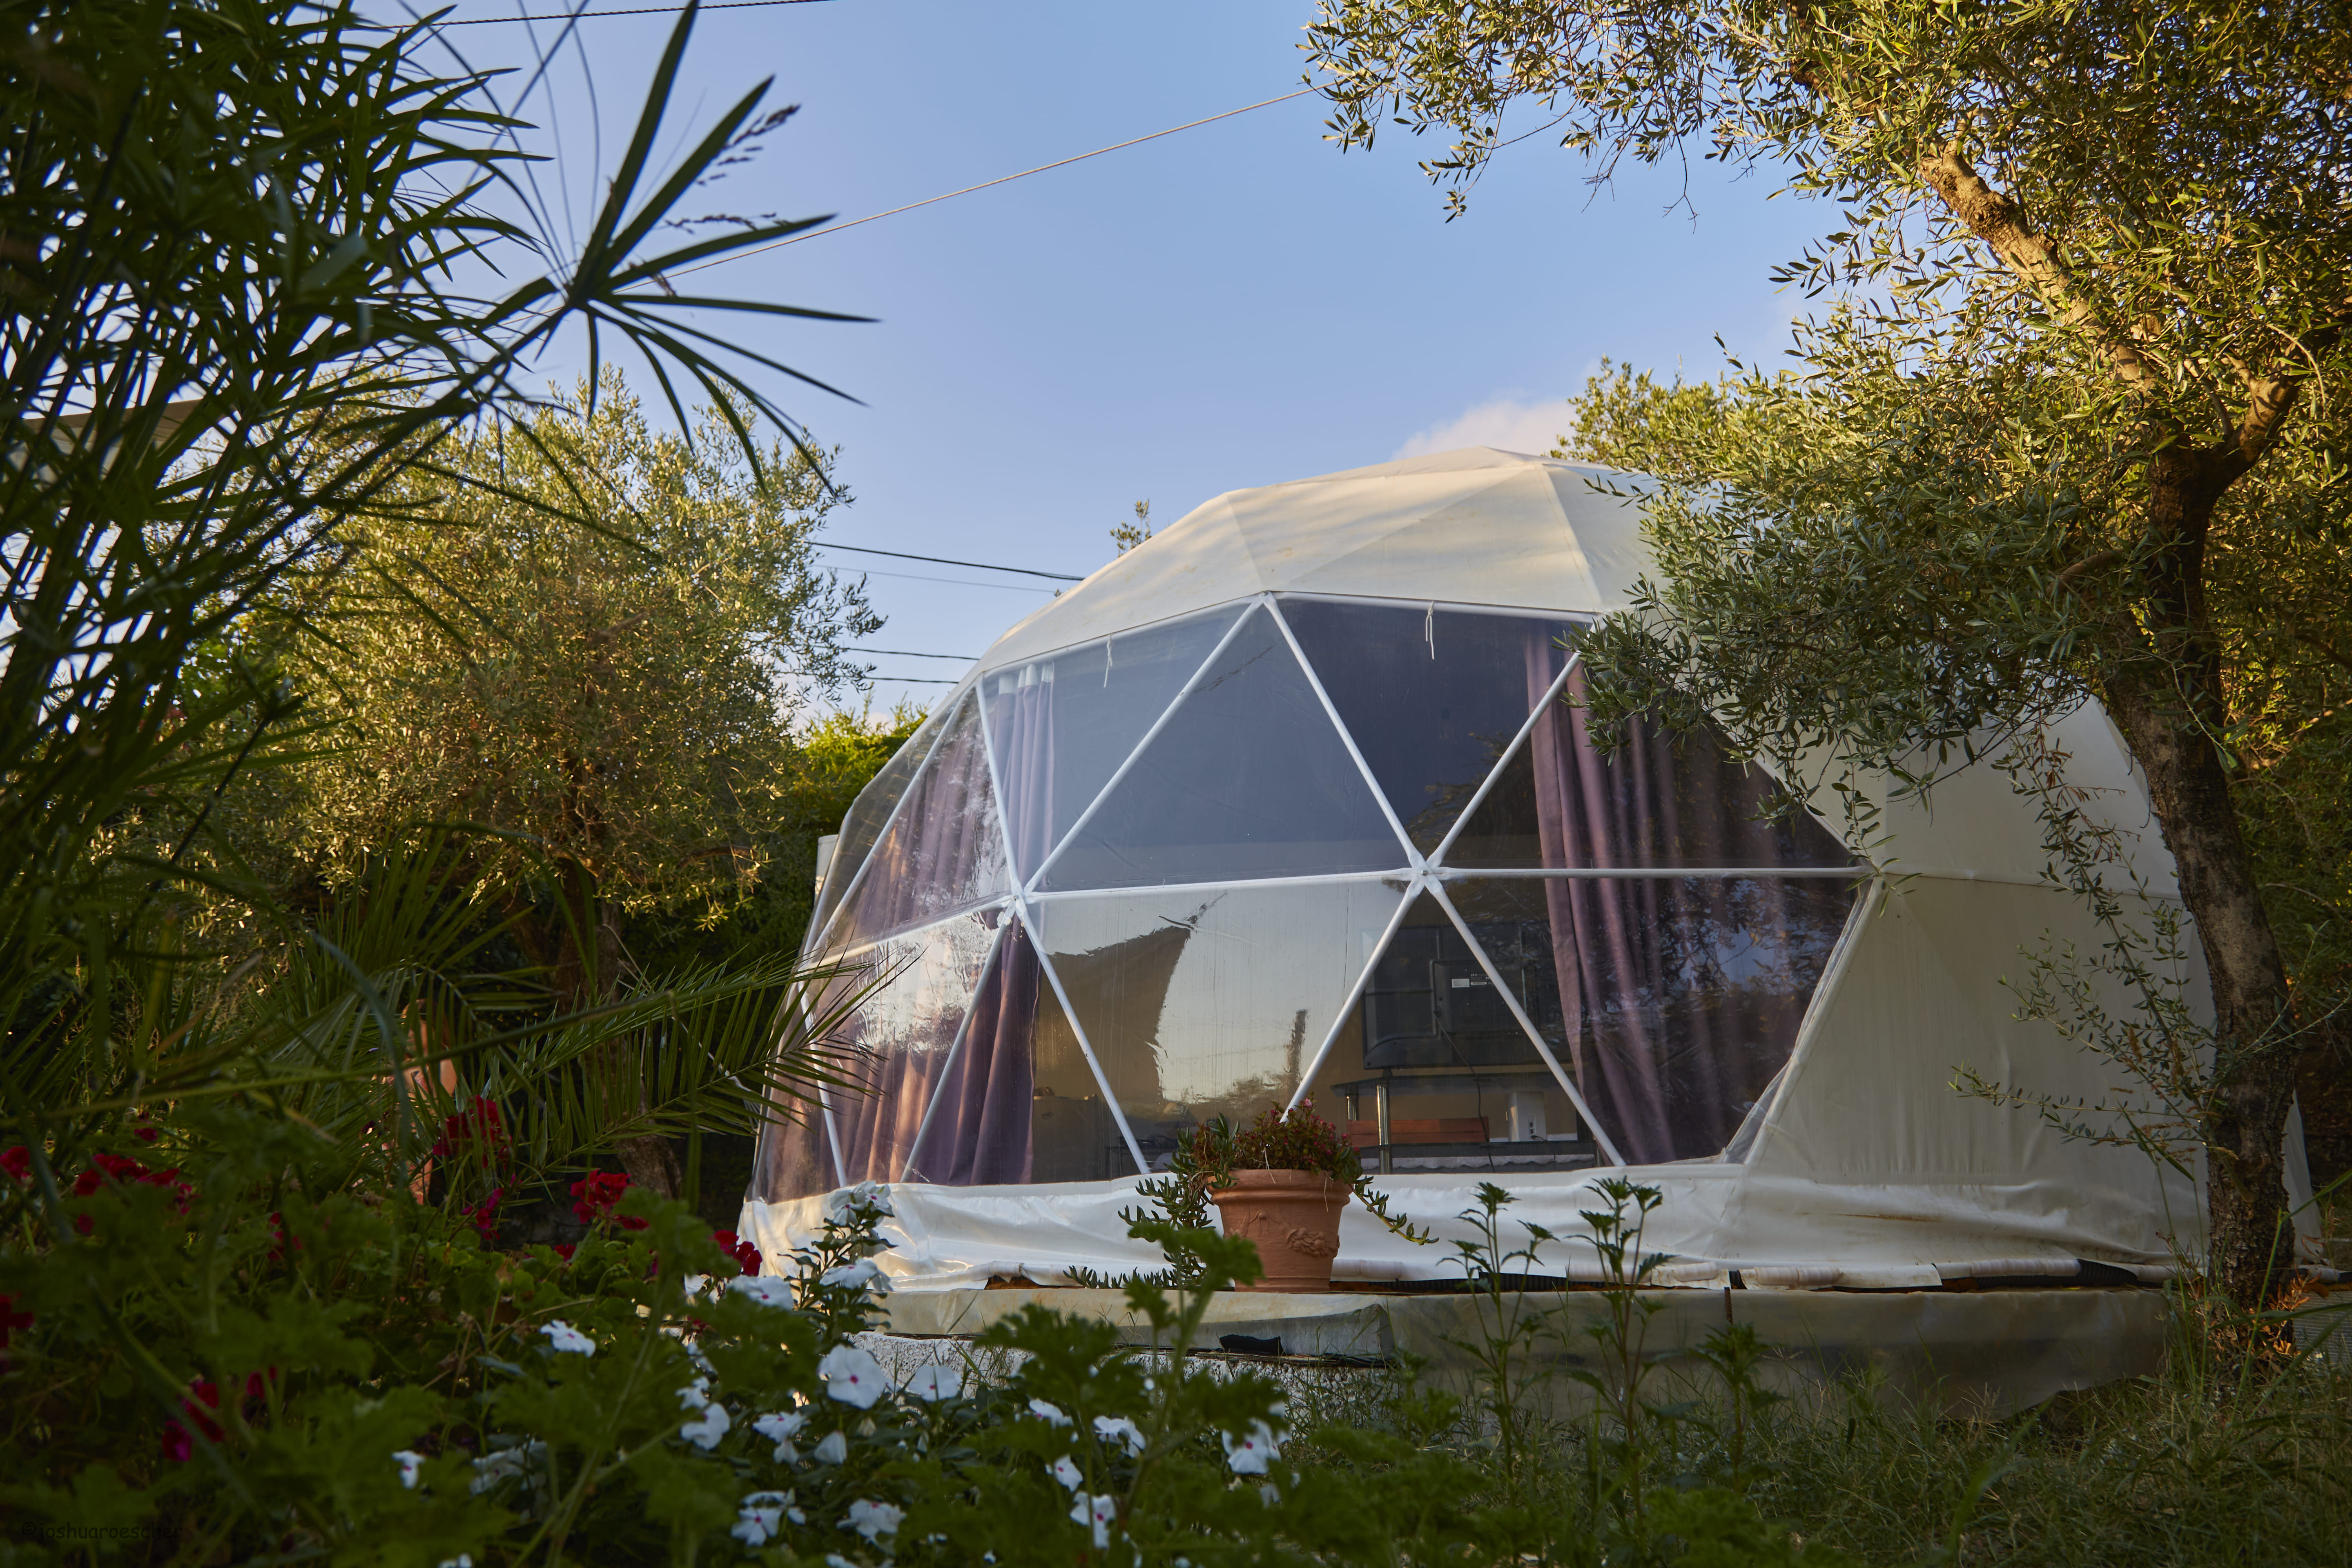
<point>1068,1474</point>
<point>1101,1509</point>
<point>522,1459</point>
<point>851,1376</point>
<point>705,1430</point>
<point>1254,1450</point>
<point>768,1290</point>
<point>463,1560</point>
<point>856,1276</point>
<point>1052,1412</point>
<point>835,1560</point>
<point>832,1450</point>
<point>1269,1494</point>
<point>779,1430</point>
<point>760,1516</point>
<point>870,1194</point>
<point>872,1520</point>
<point>567,1338</point>
<point>1109,1426</point>
<point>694,1395</point>
<point>694,1283</point>
<point>934,1383</point>
<point>410,1463</point>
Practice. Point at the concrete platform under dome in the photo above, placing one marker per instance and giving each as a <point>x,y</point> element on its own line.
<point>1977,1354</point>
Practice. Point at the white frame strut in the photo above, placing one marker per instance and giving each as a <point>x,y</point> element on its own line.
<point>857,877</point>
<point>1069,835</point>
<point>1363,769</point>
<point>1019,903</point>
<point>1526,1025</point>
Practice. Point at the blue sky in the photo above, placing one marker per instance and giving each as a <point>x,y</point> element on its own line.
<point>1232,306</point>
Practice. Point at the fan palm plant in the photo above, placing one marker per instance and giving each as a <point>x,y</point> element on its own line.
<point>224,226</point>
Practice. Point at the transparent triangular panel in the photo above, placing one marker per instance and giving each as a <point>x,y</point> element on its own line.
<point>1660,801</point>
<point>1248,778</point>
<point>911,993</point>
<point>1673,1001</point>
<point>863,824</point>
<point>942,852</point>
<point>1433,698</point>
<point>1212,1002</point>
<point>1465,1087</point>
<point>1073,1131</point>
<point>1061,725</point>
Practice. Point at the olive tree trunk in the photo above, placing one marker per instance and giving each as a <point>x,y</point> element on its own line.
<point>2168,699</point>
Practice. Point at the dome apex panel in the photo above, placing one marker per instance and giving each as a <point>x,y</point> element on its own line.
<point>1507,543</point>
<point>1475,527</point>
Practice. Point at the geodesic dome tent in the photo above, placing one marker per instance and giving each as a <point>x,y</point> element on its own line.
<point>1294,800</point>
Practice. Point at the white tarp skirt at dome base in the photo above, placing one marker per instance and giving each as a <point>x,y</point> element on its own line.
<point>1296,801</point>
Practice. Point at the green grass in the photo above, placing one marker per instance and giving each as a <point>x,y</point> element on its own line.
<point>2190,1466</point>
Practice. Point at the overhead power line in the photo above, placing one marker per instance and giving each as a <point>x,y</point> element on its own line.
<point>958,582</point>
<point>1002,179</point>
<point>909,654</point>
<point>910,680</point>
<point>629,10</point>
<point>943,560</point>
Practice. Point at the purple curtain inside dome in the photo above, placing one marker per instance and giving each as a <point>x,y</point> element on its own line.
<point>980,1131</point>
<point>1679,996</point>
<point>942,852</point>
<point>978,1097</point>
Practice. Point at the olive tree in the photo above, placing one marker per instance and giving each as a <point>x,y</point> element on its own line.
<point>2089,281</point>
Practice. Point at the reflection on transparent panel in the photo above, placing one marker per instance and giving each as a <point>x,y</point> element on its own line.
<point>921,984</point>
<point>1431,699</point>
<point>1062,726</point>
<point>1430,1003</point>
<point>1659,800</point>
<point>1434,1039</point>
<point>942,852</point>
<point>1677,1000</point>
<point>1247,780</point>
<point>869,811</point>
<point>979,1128</point>
<point>1073,1136</point>
<point>1209,1003</point>
<point>792,1160</point>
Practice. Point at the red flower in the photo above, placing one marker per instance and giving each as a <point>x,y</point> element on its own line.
<point>597,1195</point>
<point>18,1163</point>
<point>482,1125</point>
<point>176,1443</point>
<point>144,1134</point>
<point>486,1214</point>
<point>11,1320</point>
<point>122,1169</point>
<point>565,1249</point>
<point>746,1256</point>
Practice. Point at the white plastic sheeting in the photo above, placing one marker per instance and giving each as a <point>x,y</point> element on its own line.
<point>1152,884</point>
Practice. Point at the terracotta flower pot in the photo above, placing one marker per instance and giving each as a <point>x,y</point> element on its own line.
<point>1293,1217</point>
